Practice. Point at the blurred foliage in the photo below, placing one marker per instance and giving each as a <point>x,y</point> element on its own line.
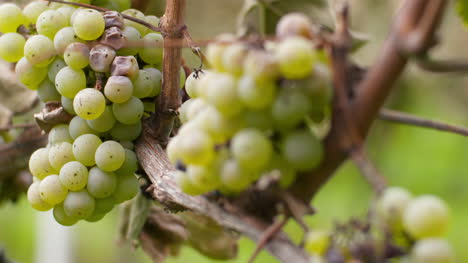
<point>422,160</point>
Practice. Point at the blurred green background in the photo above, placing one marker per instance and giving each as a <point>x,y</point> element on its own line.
<point>422,160</point>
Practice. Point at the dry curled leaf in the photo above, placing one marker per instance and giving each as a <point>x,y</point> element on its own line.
<point>51,115</point>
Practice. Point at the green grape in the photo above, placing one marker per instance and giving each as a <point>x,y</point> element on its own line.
<point>34,198</point>
<point>233,58</point>
<point>184,109</point>
<point>256,94</point>
<point>258,119</point>
<point>67,105</point>
<point>117,5</point>
<point>12,17</point>
<point>60,154</point>
<point>136,14</point>
<point>60,133</point>
<point>127,188</point>
<point>101,58</point>
<point>173,149</point>
<point>149,106</point>
<point>294,24</point>
<point>54,67</point>
<point>79,205</point>
<point>84,148</point>
<point>192,83</point>
<point>64,38</point>
<point>104,205</point>
<point>70,81</point>
<point>261,65</point>
<point>192,108</point>
<point>39,164</point>
<point>50,22</point>
<point>221,92</point>
<point>28,74</point>
<point>250,144</point>
<point>95,217</point>
<point>219,127</point>
<point>62,218</point>
<point>234,177</point>
<point>426,216</point>
<point>88,24</point>
<point>182,77</point>
<point>124,132</point>
<point>104,122</point>
<point>32,10</point>
<point>67,11</point>
<point>214,52</point>
<point>289,109</point>
<point>110,156</point>
<point>127,145</point>
<point>185,184</point>
<point>205,178</point>
<point>153,20</point>
<point>79,126</point>
<point>77,55</point>
<point>128,112</point>
<point>74,176</point>
<point>143,84</point>
<point>130,165</point>
<point>152,51</point>
<point>39,50</point>
<point>279,166</point>
<point>156,78</point>
<point>432,250</point>
<point>302,150</point>
<point>392,204</point>
<point>101,184</point>
<point>89,103</point>
<point>47,92</point>
<point>295,57</point>
<point>118,89</point>
<point>51,190</point>
<point>131,35</point>
<point>196,148</point>
<point>317,242</point>
<point>12,47</point>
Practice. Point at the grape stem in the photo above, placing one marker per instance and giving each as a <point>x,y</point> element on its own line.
<point>102,9</point>
<point>267,235</point>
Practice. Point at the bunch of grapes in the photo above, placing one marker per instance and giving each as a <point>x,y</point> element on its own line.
<point>83,59</point>
<point>415,225</point>
<point>253,112</point>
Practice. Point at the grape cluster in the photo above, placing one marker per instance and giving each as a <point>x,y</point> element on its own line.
<point>83,59</point>
<point>416,225</point>
<point>253,112</point>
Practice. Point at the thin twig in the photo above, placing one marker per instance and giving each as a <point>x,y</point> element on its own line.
<point>267,235</point>
<point>18,126</point>
<point>404,118</point>
<point>441,66</point>
<point>195,49</point>
<point>102,9</point>
<point>368,170</point>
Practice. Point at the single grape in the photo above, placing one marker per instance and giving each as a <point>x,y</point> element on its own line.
<point>34,198</point>
<point>60,154</point>
<point>258,119</point>
<point>219,127</point>
<point>12,17</point>
<point>51,190</point>
<point>88,24</point>
<point>79,126</point>
<point>76,55</point>
<point>62,218</point>
<point>392,204</point>
<point>67,104</point>
<point>127,188</point>
<point>118,89</point>
<point>79,205</point>
<point>50,22</point>
<point>74,176</point>
<point>233,58</point>
<point>153,20</point>
<point>143,84</point>
<point>47,92</point>
<point>185,184</point>
<point>127,145</point>
<point>205,178</point>
<point>101,184</point>
<point>136,14</point>
<point>261,65</point>
<point>60,133</point>
<point>294,24</point>
<point>256,94</point>
<point>426,216</point>
<point>317,242</point>
<point>84,148</point>
<point>125,66</point>
<point>104,122</point>
<point>432,250</point>
<point>12,47</point>
<point>279,166</point>
<point>101,57</point>
<point>67,11</point>
<point>32,10</point>
<point>28,74</point>
<point>173,149</point>
<point>54,67</point>
<point>110,156</point>
<point>289,109</point>
<point>124,132</point>
<point>192,83</point>
<point>131,35</point>
<point>222,93</point>
<point>214,52</point>
<point>130,165</point>
<point>191,108</point>
<point>302,150</point>
<point>89,103</point>
<point>152,51</point>
<point>104,205</point>
<point>128,112</point>
<point>156,78</point>
<point>234,177</point>
<point>295,57</point>
<point>250,144</point>
<point>64,38</point>
<point>70,81</point>
<point>196,148</point>
<point>39,50</point>
<point>39,164</point>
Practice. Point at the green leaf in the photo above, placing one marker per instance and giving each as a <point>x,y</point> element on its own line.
<point>139,212</point>
<point>461,7</point>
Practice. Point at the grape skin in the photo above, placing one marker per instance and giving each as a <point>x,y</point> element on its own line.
<point>28,74</point>
<point>60,133</point>
<point>118,89</point>
<point>295,57</point>
<point>54,67</point>
<point>101,184</point>
<point>62,218</point>
<point>79,126</point>
<point>128,112</point>
<point>39,164</point>
<point>89,103</point>
<point>32,10</point>
<point>50,22</point>
<point>47,92</point>
<point>127,188</point>
<point>432,251</point>
<point>124,132</point>
<point>12,47</point>
<point>60,154</point>
<point>251,144</point>
<point>109,156</point>
<point>130,165</point>
<point>74,176</point>
<point>392,204</point>
<point>12,17</point>
<point>79,205</point>
<point>64,38</point>
<point>302,150</point>
<point>76,55</point>
<point>34,198</point>
<point>70,81</point>
<point>88,24</point>
<point>152,51</point>
<point>51,190</point>
<point>84,148</point>
<point>104,122</point>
